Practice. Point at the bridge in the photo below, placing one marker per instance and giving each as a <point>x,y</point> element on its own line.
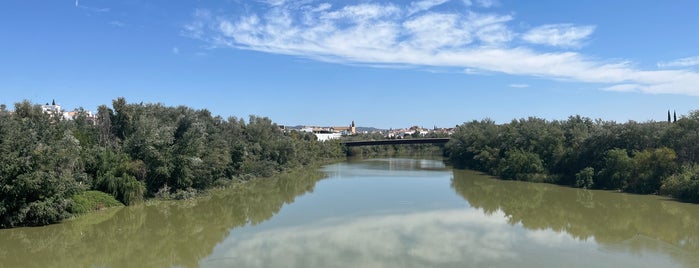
<point>397,141</point>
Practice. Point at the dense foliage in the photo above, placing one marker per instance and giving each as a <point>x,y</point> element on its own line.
<point>178,234</point>
<point>92,200</point>
<point>134,151</point>
<point>647,158</point>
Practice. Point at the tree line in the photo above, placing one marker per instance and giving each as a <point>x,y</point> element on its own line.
<point>645,158</point>
<point>180,233</point>
<point>134,151</point>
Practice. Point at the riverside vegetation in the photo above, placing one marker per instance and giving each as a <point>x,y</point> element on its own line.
<point>644,158</point>
<point>51,169</point>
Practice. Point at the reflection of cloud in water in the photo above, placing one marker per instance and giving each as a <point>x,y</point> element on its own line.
<point>551,238</point>
<point>410,240</point>
<point>443,238</point>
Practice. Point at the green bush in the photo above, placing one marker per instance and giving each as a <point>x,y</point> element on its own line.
<point>521,165</point>
<point>684,185</point>
<point>125,188</point>
<point>50,210</point>
<point>92,200</point>
<point>585,178</point>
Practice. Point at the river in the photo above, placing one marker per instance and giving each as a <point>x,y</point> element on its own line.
<point>393,212</point>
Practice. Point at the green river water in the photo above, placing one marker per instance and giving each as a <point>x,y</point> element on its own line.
<point>393,212</point>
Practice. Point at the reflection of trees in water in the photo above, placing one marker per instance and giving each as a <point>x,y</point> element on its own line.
<point>166,234</point>
<point>613,219</point>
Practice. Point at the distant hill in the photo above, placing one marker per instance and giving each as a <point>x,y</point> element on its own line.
<point>359,129</point>
<point>369,129</point>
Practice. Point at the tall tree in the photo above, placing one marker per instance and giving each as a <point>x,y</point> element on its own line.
<point>675,116</point>
<point>104,126</point>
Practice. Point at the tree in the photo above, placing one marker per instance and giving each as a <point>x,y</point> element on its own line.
<point>674,113</point>
<point>133,151</point>
<point>585,178</point>
<point>104,126</point>
<point>683,185</point>
<point>520,165</point>
<point>617,170</point>
<point>651,167</point>
<point>40,172</point>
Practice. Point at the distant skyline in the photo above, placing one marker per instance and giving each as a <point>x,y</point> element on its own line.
<point>383,64</point>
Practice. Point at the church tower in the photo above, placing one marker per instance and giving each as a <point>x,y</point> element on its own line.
<point>353,129</point>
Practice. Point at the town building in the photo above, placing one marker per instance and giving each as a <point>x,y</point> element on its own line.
<point>54,109</point>
<point>329,133</point>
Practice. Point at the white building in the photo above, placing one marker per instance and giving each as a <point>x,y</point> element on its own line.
<point>52,109</point>
<point>327,136</point>
<point>55,109</point>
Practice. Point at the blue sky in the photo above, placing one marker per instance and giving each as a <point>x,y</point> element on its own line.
<point>381,63</point>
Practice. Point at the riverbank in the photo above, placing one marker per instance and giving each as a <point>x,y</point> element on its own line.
<point>366,212</point>
<point>99,202</point>
<point>642,158</point>
<point>133,152</point>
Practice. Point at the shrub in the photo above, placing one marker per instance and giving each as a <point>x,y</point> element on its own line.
<point>684,185</point>
<point>92,200</point>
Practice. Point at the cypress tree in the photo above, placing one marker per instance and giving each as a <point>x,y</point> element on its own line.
<point>674,113</point>
<point>668,116</point>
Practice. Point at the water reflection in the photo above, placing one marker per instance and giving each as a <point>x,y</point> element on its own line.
<point>421,239</point>
<point>619,222</point>
<point>443,238</point>
<point>167,234</point>
<point>508,224</point>
<point>374,213</point>
<point>386,167</point>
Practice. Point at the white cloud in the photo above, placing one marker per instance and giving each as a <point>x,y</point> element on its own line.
<point>482,3</point>
<point>423,5</point>
<point>519,85</point>
<point>197,28</point>
<point>385,35</point>
<point>683,62</point>
<point>273,2</point>
<point>117,23</point>
<point>363,12</point>
<point>90,8</point>
<point>558,35</point>
<point>321,7</point>
<point>434,30</point>
<point>488,3</point>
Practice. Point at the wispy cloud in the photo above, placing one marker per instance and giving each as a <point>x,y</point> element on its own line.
<point>519,85</point>
<point>488,3</point>
<point>90,8</point>
<point>482,3</point>
<point>558,35</point>
<point>424,5</point>
<point>273,2</point>
<point>117,23</point>
<point>175,50</point>
<point>381,34</point>
<point>683,62</point>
